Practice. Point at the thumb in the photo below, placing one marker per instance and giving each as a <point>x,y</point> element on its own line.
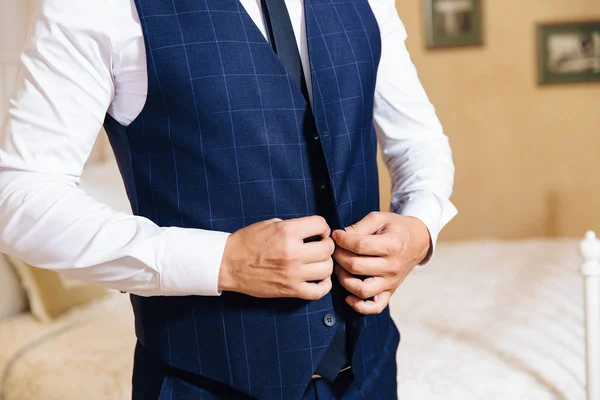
<point>368,225</point>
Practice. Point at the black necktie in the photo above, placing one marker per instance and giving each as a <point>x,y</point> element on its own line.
<point>283,41</point>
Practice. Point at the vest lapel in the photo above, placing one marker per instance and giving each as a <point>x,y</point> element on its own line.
<point>317,49</point>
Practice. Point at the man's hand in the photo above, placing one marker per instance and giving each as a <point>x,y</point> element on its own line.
<point>374,256</point>
<point>273,259</point>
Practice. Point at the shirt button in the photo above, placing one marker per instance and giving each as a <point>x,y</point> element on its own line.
<point>316,136</point>
<point>329,320</point>
<point>323,186</point>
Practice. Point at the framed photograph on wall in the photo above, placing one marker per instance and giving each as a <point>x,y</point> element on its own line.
<point>453,23</point>
<point>569,52</point>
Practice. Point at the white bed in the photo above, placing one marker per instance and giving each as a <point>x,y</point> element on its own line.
<point>485,320</point>
<point>494,320</point>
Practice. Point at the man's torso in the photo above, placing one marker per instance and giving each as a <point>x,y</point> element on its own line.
<point>225,140</point>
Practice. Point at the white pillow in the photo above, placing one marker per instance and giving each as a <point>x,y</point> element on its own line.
<point>13,298</point>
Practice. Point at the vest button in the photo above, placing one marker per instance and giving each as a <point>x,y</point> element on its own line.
<point>316,136</point>
<point>329,320</point>
<point>323,186</point>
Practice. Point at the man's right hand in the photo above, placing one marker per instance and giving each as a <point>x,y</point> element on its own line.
<point>272,259</point>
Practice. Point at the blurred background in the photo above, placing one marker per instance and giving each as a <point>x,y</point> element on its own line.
<point>499,312</point>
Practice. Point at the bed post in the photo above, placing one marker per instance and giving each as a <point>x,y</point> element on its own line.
<point>590,250</point>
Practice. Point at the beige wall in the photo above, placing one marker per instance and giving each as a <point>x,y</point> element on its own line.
<point>13,23</point>
<point>527,157</point>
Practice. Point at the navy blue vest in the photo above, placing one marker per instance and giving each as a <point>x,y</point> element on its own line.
<point>222,143</point>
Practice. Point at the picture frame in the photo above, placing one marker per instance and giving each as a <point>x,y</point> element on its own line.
<point>453,23</point>
<point>568,52</point>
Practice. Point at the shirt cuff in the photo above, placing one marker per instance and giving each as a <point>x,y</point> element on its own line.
<point>426,207</point>
<point>191,262</point>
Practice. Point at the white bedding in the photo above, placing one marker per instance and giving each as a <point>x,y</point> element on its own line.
<point>493,320</point>
<point>486,320</point>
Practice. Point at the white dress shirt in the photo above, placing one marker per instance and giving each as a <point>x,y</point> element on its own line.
<point>86,58</point>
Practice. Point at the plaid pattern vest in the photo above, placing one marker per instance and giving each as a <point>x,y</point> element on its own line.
<point>224,141</point>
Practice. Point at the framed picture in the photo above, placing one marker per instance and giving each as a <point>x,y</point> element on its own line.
<point>453,23</point>
<point>569,52</point>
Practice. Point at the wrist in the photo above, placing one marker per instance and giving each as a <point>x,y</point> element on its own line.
<point>421,239</point>
<point>227,280</point>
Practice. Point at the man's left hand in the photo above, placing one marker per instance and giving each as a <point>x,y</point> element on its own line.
<point>374,256</point>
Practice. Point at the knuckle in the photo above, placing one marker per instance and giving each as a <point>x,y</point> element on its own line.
<point>354,266</point>
<point>363,293</point>
<point>374,215</point>
<point>361,246</point>
<point>321,220</point>
<point>398,246</point>
<point>288,252</point>
<point>324,275</point>
<point>330,245</point>
<point>329,266</point>
<point>315,294</point>
<point>327,287</point>
<point>286,228</point>
<point>268,223</point>
<point>326,271</point>
<point>304,294</point>
<point>388,249</point>
<point>402,246</point>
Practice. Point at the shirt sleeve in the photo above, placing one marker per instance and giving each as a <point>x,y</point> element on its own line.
<point>64,87</point>
<point>414,146</point>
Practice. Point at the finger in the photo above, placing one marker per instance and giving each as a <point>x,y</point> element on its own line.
<point>363,289</point>
<point>368,225</point>
<point>306,227</point>
<point>314,291</point>
<point>317,251</point>
<point>316,271</point>
<point>375,306</point>
<point>360,265</point>
<point>366,245</point>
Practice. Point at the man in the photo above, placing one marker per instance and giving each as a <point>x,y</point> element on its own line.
<point>243,117</point>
